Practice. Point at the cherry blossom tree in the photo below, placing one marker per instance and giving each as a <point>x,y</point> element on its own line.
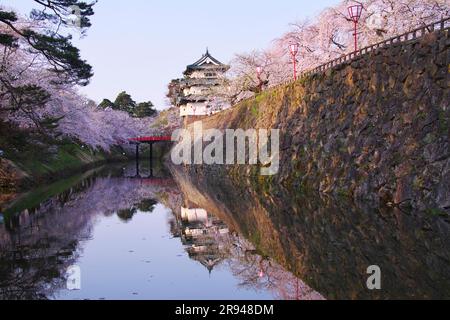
<point>33,95</point>
<point>329,36</point>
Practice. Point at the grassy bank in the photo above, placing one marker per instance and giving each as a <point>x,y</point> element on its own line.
<point>29,159</point>
<point>35,197</point>
<point>68,159</point>
<point>65,159</point>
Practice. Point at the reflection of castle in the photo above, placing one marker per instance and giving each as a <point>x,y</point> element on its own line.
<point>201,233</point>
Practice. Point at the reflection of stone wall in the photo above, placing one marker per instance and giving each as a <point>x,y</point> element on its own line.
<point>375,128</point>
<point>218,247</point>
<point>330,243</point>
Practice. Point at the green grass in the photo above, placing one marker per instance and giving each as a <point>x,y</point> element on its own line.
<point>68,157</point>
<point>34,198</point>
<point>38,154</point>
<point>42,158</point>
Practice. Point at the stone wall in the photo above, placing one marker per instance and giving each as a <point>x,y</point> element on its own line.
<point>375,128</point>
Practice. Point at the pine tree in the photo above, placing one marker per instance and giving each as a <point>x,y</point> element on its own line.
<point>144,110</point>
<point>106,103</point>
<point>124,102</point>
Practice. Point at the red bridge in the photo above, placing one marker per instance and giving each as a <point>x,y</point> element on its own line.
<point>150,139</point>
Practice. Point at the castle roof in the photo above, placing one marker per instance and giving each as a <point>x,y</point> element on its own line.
<point>207,61</point>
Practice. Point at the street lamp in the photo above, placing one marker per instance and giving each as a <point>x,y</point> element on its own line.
<point>355,14</point>
<point>293,48</point>
<point>259,71</point>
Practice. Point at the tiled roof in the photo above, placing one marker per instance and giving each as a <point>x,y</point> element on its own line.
<point>206,61</point>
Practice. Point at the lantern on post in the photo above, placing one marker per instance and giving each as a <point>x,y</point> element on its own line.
<point>293,48</point>
<point>259,71</point>
<point>354,13</point>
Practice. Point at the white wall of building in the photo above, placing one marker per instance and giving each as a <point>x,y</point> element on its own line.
<point>205,74</point>
<point>195,90</point>
<point>194,109</point>
<point>198,75</point>
<point>203,108</point>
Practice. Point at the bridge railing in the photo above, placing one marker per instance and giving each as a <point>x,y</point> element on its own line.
<point>443,24</point>
<point>150,139</point>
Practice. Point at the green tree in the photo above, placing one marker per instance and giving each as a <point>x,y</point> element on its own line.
<point>144,110</point>
<point>124,102</point>
<point>106,103</point>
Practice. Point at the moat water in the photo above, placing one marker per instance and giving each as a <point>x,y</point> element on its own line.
<point>119,233</point>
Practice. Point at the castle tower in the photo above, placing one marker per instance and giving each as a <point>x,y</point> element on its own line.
<point>195,88</point>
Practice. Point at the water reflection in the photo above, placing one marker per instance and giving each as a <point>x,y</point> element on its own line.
<point>206,237</point>
<point>64,224</point>
<point>38,242</point>
<point>203,235</point>
<point>329,243</point>
<point>209,241</point>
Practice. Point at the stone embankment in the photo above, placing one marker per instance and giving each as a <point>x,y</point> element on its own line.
<point>375,128</point>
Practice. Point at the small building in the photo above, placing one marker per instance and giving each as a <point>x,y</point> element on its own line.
<point>193,94</point>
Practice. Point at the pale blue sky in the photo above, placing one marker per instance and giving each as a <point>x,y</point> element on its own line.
<point>140,45</point>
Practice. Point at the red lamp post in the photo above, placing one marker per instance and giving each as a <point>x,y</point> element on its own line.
<point>355,14</point>
<point>259,71</point>
<point>293,48</point>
